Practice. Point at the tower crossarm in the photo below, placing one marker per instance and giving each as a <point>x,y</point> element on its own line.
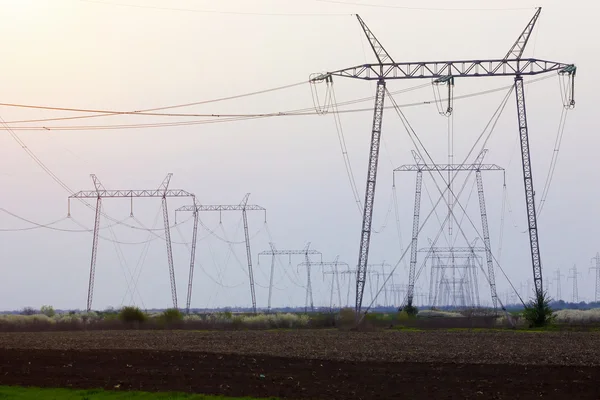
<point>289,252</point>
<point>459,256</point>
<point>216,207</point>
<point>324,264</point>
<point>438,250</point>
<point>92,194</point>
<point>456,69</point>
<point>448,167</point>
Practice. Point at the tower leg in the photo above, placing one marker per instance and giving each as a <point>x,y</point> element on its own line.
<point>597,294</point>
<point>431,283</point>
<point>249,257</point>
<point>94,254</point>
<point>192,262</point>
<point>415,236</point>
<point>486,239</point>
<point>365,236</point>
<point>169,251</point>
<point>337,281</point>
<point>529,192</point>
<point>309,293</point>
<point>271,280</point>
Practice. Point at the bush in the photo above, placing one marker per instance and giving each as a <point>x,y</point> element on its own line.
<point>29,311</point>
<point>48,311</point>
<point>410,310</point>
<point>171,315</point>
<point>538,312</point>
<point>132,314</point>
<point>579,317</point>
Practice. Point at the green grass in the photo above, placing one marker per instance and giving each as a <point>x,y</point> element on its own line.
<point>21,393</point>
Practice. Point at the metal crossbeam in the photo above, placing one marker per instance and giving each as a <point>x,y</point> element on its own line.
<point>238,207</point>
<point>92,194</point>
<point>438,250</point>
<point>447,167</point>
<point>456,69</point>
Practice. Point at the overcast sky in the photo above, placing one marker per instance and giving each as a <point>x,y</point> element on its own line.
<point>109,56</point>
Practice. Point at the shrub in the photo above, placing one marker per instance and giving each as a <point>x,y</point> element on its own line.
<point>48,311</point>
<point>29,311</point>
<point>132,314</point>
<point>171,315</point>
<point>538,312</point>
<point>410,310</point>
<point>578,316</point>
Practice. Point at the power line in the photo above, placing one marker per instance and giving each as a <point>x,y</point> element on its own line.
<point>354,3</point>
<point>222,118</point>
<point>216,11</point>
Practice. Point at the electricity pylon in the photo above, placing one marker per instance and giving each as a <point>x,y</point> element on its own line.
<point>100,193</point>
<point>335,277</point>
<point>477,166</point>
<point>574,277</point>
<point>558,284</point>
<point>243,207</point>
<point>387,69</point>
<point>597,268</point>
<point>306,252</point>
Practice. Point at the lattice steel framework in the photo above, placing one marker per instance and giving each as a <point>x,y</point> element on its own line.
<point>335,276</point>
<point>558,284</point>
<point>477,166</point>
<point>100,193</point>
<point>306,252</point>
<point>387,69</point>
<point>597,268</point>
<point>243,207</point>
<point>575,286</point>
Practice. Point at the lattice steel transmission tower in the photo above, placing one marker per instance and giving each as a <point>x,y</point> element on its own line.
<point>597,268</point>
<point>306,252</point>
<point>163,192</point>
<point>387,69</point>
<point>243,207</point>
<point>335,276</point>
<point>558,284</point>
<point>575,288</point>
<point>477,166</point>
<point>461,289</point>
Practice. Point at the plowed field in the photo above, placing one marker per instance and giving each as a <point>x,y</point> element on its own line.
<point>311,364</point>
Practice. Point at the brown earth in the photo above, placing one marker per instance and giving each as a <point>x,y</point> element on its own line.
<point>311,364</point>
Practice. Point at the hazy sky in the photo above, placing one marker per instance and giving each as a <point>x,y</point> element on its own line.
<point>104,55</point>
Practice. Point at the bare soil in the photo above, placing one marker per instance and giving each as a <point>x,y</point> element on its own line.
<point>311,364</point>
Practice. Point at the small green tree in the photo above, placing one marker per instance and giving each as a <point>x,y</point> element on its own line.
<point>132,314</point>
<point>538,312</point>
<point>410,310</point>
<point>171,315</point>
<point>48,311</point>
<point>29,311</point>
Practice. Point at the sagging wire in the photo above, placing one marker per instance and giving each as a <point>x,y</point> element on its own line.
<point>387,216</point>
<point>345,155</point>
<point>137,271</point>
<point>554,159</point>
<point>280,264</point>
<point>223,118</point>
